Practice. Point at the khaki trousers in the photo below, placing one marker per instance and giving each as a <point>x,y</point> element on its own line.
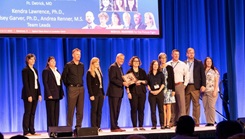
<point>209,102</point>
<point>192,95</point>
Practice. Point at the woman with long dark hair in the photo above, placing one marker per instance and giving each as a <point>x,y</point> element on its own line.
<point>210,95</point>
<point>155,86</point>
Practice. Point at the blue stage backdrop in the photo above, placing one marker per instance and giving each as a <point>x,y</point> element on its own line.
<point>213,28</point>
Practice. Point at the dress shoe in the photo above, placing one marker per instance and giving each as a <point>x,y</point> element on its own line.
<point>167,127</point>
<point>162,127</point>
<point>135,129</point>
<point>99,130</point>
<point>142,129</point>
<point>197,125</point>
<point>172,124</point>
<point>122,130</point>
<point>36,134</point>
<point>28,134</point>
<point>116,130</point>
<point>209,124</point>
<point>153,128</point>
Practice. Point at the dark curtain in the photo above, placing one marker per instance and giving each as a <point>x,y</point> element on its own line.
<point>213,28</point>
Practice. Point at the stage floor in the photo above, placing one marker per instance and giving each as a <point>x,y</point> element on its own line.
<point>129,131</point>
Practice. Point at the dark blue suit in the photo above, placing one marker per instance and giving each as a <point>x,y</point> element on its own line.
<point>115,93</point>
<point>52,89</point>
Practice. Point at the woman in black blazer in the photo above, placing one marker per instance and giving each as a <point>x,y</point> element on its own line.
<point>96,92</point>
<point>137,92</point>
<point>30,94</point>
<point>53,92</point>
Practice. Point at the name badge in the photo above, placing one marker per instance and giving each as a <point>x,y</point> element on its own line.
<point>156,86</point>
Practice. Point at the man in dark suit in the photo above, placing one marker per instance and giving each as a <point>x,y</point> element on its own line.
<point>197,83</point>
<point>115,91</point>
<point>138,22</point>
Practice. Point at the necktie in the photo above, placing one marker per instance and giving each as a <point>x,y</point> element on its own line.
<point>121,70</point>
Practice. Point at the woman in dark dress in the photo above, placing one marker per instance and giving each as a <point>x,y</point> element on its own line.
<point>169,88</point>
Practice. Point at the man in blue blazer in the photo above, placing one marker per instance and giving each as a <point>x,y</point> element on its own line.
<point>197,83</point>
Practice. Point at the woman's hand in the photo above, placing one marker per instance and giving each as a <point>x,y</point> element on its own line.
<point>92,98</point>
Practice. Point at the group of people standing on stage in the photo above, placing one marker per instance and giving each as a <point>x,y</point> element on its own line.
<point>172,86</point>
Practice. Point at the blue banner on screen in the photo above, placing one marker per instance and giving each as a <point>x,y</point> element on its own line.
<point>82,17</point>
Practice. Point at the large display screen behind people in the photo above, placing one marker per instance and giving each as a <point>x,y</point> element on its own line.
<point>80,18</point>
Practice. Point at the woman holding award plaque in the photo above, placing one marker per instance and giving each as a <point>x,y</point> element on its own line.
<point>169,93</point>
<point>137,92</point>
<point>155,86</point>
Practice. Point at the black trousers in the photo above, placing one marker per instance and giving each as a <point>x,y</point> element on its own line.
<point>115,105</point>
<point>137,104</point>
<point>29,116</point>
<point>75,99</point>
<point>52,109</point>
<point>96,109</point>
<point>156,100</point>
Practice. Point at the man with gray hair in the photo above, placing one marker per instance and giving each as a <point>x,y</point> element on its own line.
<point>115,91</point>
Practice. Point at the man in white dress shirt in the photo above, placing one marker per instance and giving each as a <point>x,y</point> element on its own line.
<point>181,77</point>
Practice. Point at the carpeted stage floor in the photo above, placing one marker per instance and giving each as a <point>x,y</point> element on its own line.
<point>202,132</point>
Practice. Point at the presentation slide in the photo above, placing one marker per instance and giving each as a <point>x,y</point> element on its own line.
<point>80,17</point>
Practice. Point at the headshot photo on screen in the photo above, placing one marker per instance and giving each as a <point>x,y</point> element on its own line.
<point>150,21</point>
<point>89,16</point>
<point>103,17</point>
<point>119,5</point>
<point>115,21</point>
<point>106,5</point>
<point>138,21</point>
<point>131,5</point>
<point>127,21</point>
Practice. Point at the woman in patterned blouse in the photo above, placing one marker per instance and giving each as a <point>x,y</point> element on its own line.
<point>210,95</point>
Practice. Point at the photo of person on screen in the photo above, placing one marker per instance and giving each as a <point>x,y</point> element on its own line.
<point>103,17</point>
<point>115,22</point>
<point>119,5</point>
<point>138,22</point>
<point>89,16</point>
<point>105,5</point>
<point>127,21</point>
<point>150,21</point>
<point>131,5</point>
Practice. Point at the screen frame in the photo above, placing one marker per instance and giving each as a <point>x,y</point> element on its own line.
<point>55,35</point>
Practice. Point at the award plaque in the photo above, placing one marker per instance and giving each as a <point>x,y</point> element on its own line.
<point>129,78</point>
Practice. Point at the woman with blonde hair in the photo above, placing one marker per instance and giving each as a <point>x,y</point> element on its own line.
<point>94,80</point>
<point>169,89</point>
<point>150,21</point>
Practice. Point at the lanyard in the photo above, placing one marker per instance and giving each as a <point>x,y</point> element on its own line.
<point>175,64</point>
<point>190,64</point>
